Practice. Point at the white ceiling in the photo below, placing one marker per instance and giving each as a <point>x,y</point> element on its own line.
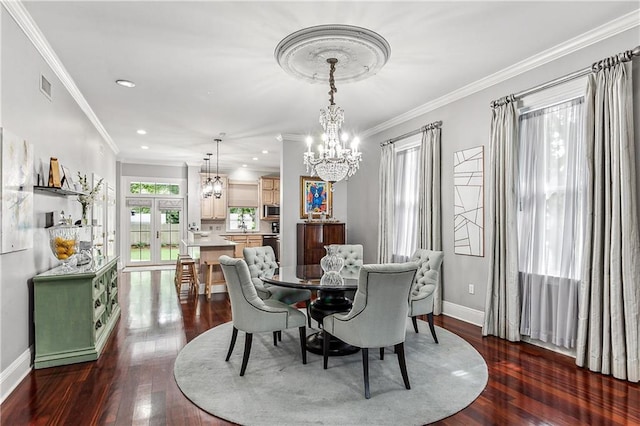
<point>207,67</point>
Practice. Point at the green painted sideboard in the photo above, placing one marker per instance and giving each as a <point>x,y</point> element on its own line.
<point>74,313</point>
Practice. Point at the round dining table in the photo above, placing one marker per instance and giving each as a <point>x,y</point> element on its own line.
<point>330,299</point>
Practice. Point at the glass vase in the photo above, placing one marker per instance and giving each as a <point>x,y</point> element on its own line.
<point>84,221</point>
<point>331,265</point>
<point>63,241</point>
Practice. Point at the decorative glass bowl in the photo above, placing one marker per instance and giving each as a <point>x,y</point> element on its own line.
<point>331,265</point>
<point>63,241</point>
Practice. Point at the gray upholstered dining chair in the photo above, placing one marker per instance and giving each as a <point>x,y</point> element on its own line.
<point>251,314</point>
<point>262,263</point>
<point>352,255</point>
<point>421,301</point>
<point>378,317</point>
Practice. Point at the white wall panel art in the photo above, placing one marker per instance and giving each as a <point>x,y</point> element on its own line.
<point>468,176</point>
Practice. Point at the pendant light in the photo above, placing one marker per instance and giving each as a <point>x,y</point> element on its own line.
<point>217,182</point>
<point>207,188</point>
<point>335,161</point>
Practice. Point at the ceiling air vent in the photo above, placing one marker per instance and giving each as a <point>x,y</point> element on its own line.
<point>45,86</point>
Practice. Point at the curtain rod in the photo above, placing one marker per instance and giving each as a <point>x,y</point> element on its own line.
<point>434,125</point>
<point>605,63</point>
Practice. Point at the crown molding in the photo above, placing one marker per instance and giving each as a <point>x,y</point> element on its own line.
<point>24,20</point>
<point>610,29</point>
<point>295,137</point>
<point>155,162</point>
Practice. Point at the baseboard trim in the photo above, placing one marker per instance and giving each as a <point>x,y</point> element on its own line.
<point>13,375</point>
<point>463,313</point>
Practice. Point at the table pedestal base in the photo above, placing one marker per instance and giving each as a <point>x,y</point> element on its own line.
<point>336,346</point>
<point>327,303</point>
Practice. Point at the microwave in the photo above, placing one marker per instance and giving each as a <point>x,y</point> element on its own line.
<point>270,210</point>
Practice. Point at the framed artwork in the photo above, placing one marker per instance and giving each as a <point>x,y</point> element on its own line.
<point>315,197</point>
<point>16,170</point>
<point>67,179</point>
<point>468,216</point>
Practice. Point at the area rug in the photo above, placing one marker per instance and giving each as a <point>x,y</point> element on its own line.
<point>277,389</point>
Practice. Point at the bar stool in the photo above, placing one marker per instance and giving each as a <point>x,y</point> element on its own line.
<point>186,274</point>
<point>208,277</point>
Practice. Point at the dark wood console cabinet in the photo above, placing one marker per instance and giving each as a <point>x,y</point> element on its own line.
<point>312,237</point>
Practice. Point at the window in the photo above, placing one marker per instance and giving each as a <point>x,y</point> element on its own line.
<point>243,219</point>
<point>552,180</point>
<point>551,218</point>
<point>154,188</point>
<point>406,200</point>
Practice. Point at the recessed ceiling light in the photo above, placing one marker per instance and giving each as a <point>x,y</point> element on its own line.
<point>255,158</point>
<point>264,151</point>
<point>244,165</point>
<point>141,132</point>
<point>144,147</point>
<point>126,83</point>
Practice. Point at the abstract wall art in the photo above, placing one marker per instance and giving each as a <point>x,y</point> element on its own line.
<point>468,176</point>
<point>16,164</point>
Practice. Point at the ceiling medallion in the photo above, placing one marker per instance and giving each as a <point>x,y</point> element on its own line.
<point>360,53</point>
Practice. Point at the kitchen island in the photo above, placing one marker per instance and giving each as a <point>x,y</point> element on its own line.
<point>209,249</point>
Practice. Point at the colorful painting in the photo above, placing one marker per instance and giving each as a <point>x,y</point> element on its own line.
<point>16,166</point>
<point>468,217</point>
<point>315,197</point>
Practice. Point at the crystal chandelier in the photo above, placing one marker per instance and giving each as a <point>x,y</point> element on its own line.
<point>335,161</point>
<point>213,186</point>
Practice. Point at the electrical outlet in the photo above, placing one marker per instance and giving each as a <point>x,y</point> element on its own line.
<point>218,228</point>
<point>471,289</point>
<point>210,228</point>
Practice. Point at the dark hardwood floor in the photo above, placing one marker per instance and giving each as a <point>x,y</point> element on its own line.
<point>132,383</point>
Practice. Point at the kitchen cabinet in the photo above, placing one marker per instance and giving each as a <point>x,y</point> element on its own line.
<point>213,208</point>
<point>244,240</point>
<point>269,192</point>
<point>74,313</point>
<point>311,239</point>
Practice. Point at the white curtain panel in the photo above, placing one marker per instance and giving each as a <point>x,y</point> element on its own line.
<point>502,307</point>
<point>386,205</point>
<point>430,204</point>
<point>406,195</point>
<point>608,332</point>
<point>551,220</point>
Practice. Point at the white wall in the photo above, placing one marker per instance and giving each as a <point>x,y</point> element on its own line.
<point>56,128</point>
<point>291,168</point>
<point>466,124</point>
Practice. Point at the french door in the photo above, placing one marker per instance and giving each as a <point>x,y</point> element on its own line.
<point>155,228</point>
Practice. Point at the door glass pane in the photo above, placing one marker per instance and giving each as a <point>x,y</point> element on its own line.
<point>140,234</point>
<point>169,234</point>
<point>147,188</point>
<point>134,187</point>
<point>162,188</point>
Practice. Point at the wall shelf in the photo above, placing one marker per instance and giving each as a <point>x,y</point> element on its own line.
<point>56,191</point>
